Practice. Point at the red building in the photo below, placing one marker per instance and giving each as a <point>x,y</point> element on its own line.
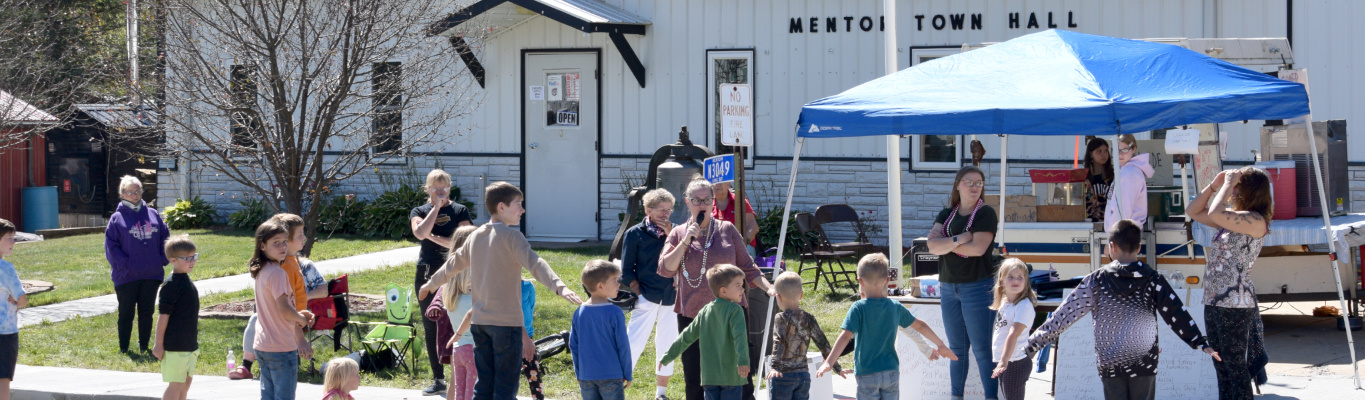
<point>22,161</point>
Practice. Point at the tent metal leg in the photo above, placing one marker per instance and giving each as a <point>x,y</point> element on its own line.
<point>1004,173</point>
<point>781,246</point>
<point>1331,245</point>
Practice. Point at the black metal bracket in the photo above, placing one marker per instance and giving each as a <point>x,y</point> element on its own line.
<point>628,55</point>
<point>470,61</point>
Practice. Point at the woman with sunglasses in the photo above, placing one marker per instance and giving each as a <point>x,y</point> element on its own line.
<point>691,249</point>
<point>1128,199</point>
<point>134,244</point>
<point>964,234</point>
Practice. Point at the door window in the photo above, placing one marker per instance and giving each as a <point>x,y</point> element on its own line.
<point>563,92</point>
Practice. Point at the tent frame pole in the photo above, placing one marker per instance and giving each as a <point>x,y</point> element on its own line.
<point>1004,173</point>
<point>1331,244</point>
<point>781,247</point>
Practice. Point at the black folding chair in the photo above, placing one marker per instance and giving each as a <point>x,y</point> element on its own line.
<point>841,213</point>
<point>824,259</point>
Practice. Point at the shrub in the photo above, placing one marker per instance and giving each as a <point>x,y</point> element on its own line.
<point>190,214</point>
<point>341,214</point>
<point>253,213</point>
<point>769,226</point>
<point>387,215</point>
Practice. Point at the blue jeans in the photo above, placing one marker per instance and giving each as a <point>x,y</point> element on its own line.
<point>497,360</point>
<point>885,385</point>
<point>606,389</point>
<point>722,392</point>
<point>791,386</point>
<point>967,321</point>
<point>279,374</point>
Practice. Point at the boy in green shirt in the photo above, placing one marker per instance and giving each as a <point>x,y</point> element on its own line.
<point>724,344</point>
<point>872,321</point>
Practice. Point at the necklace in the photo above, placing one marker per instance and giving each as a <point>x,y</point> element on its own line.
<point>705,251</point>
<point>970,219</point>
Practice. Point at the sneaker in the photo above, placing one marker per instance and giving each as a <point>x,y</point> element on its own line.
<point>661,397</point>
<point>436,388</point>
<point>239,373</point>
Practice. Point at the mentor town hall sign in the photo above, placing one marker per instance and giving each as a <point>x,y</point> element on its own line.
<point>936,22</point>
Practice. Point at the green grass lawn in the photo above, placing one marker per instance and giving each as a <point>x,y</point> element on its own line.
<point>69,343</point>
<point>77,268</point>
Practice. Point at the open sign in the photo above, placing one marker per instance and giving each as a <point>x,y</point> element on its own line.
<point>566,118</point>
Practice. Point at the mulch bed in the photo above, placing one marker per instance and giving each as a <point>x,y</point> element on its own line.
<point>360,303</point>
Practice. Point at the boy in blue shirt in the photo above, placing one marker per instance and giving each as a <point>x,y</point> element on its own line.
<point>13,299</point>
<point>872,321</point>
<point>598,336</point>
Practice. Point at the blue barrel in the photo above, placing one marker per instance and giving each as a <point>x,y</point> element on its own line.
<point>40,208</point>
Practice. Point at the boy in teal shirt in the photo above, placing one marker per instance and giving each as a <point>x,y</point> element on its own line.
<point>724,342</point>
<point>872,321</point>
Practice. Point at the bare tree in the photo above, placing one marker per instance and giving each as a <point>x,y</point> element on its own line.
<point>54,53</point>
<point>289,97</point>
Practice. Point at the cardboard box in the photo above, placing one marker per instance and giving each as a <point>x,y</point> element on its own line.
<point>1061,213</point>
<point>1018,208</point>
<point>924,286</point>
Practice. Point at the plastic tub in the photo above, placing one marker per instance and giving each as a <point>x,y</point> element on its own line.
<point>1283,186</point>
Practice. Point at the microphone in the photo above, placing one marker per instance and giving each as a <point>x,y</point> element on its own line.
<point>700,215</point>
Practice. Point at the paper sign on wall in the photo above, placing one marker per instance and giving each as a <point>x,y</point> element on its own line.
<point>1298,76</point>
<point>554,87</point>
<point>736,115</point>
<point>1182,141</point>
<point>571,87</point>
<point>536,93</point>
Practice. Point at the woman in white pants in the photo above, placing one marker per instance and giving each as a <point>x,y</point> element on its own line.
<point>639,271</point>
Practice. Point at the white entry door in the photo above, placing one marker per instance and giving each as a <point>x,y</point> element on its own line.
<point>560,146</point>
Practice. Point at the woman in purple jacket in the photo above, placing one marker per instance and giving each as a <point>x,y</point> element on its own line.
<point>133,244</point>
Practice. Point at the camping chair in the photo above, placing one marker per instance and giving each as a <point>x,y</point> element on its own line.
<point>333,314</point>
<point>396,335</point>
<point>824,258</point>
<point>839,213</point>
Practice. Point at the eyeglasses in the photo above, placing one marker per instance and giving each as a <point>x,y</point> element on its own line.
<point>444,190</point>
<point>701,201</point>
<point>1125,150</point>
<point>133,192</point>
<point>974,184</point>
<point>191,258</point>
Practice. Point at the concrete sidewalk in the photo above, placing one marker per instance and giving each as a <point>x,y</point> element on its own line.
<point>47,383</point>
<point>1278,387</point>
<point>105,304</point>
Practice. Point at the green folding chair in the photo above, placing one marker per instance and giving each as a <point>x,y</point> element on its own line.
<point>397,334</point>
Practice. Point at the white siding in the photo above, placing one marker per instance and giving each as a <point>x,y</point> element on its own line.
<point>791,69</point>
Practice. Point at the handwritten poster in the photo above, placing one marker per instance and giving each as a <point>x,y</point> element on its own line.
<point>1207,164</point>
<point>1182,372</point>
<point>929,380</point>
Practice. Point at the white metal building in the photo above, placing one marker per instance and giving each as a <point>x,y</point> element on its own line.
<point>579,93</point>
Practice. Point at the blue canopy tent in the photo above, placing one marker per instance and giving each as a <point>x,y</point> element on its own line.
<point>1053,83</point>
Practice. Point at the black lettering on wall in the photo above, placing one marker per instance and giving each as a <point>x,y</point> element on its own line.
<point>939,22</point>
<point>865,24</point>
<point>814,24</point>
<point>882,24</point>
<point>956,20</point>
<point>1032,20</point>
<point>848,24</point>
<point>831,24</point>
<point>1070,23</point>
<point>976,21</point>
<point>794,26</point>
<point>1049,20</point>
<point>1014,20</point>
<point>919,21</point>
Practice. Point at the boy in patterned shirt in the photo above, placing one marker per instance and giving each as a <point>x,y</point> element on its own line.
<point>12,298</point>
<point>793,330</point>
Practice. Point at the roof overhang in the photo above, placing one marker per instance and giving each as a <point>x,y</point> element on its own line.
<point>17,112</point>
<point>588,16</point>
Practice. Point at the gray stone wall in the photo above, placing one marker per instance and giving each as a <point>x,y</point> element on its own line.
<point>860,184</point>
